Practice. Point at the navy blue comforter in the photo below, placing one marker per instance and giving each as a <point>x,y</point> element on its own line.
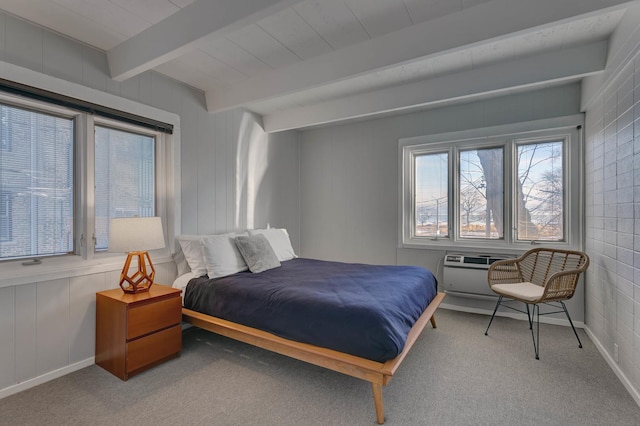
<point>363,310</point>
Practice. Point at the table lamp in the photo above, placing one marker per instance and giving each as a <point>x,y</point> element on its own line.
<point>134,236</point>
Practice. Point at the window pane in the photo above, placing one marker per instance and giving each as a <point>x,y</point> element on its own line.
<point>6,216</point>
<point>36,183</point>
<point>431,197</point>
<point>125,178</point>
<point>540,192</point>
<point>481,193</point>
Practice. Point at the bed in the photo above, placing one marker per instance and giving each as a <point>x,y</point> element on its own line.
<point>329,314</point>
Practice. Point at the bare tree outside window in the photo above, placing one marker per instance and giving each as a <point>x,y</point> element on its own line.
<point>481,193</point>
<point>540,191</point>
<point>498,190</point>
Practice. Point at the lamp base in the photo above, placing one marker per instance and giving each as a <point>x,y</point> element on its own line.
<point>142,279</point>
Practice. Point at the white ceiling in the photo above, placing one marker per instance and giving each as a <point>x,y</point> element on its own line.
<point>301,63</point>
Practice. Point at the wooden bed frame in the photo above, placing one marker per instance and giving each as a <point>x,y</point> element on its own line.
<point>378,373</point>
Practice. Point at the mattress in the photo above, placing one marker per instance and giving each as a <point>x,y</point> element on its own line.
<point>358,309</point>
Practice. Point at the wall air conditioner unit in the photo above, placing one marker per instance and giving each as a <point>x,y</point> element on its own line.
<point>465,274</point>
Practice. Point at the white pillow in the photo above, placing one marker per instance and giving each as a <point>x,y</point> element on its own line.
<point>181,262</point>
<point>279,240</point>
<point>221,256</point>
<point>192,248</point>
<point>182,281</point>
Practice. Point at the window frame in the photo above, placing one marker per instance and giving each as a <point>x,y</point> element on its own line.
<point>415,154</point>
<point>160,172</point>
<point>566,139</point>
<point>508,137</point>
<point>57,111</point>
<point>85,259</point>
<point>506,184</point>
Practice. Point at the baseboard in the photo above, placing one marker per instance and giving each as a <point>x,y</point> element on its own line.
<point>46,377</point>
<point>522,317</point>
<point>635,394</point>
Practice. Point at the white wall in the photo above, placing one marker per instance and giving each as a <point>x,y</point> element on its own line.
<point>243,177</point>
<point>612,150</point>
<point>349,179</point>
<point>231,175</point>
<point>345,206</point>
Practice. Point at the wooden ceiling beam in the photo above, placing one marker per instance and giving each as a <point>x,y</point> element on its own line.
<point>561,65</point>
<point>181,32</point>
<point>500,19</point>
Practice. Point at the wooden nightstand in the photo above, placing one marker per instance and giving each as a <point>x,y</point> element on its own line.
<point>135,332</point>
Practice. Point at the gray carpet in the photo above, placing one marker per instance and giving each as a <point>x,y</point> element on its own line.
<point>454,375</point>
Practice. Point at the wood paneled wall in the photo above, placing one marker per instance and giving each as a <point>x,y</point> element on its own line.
<point>229,175</point>
<point>47,328</point>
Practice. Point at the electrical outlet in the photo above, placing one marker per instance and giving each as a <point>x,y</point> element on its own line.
<point>615,353</point>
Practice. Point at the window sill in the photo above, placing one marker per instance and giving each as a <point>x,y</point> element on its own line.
<point>52,268</point>
<point>479,247</point>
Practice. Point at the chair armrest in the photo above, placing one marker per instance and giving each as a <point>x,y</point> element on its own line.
<point>561,285</point>
<point>504,272</point>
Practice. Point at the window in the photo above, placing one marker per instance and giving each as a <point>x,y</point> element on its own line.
<point>124,178</point>
<point>64,174</point>
<point>540,191</point>
<point>36,180</point>
<point>492,191</point>
<point>6,126</point>
<point>481,177</point>
<point>432,195</point>
<point>6,216</point>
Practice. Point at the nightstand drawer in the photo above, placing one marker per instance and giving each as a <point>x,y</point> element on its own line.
<point>147,318</point>
<point>154,347</point>
<point>136,331</point>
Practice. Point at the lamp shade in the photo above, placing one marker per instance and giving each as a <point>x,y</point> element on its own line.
<point>127,234</point>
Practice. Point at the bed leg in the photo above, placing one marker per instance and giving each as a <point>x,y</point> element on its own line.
<point>377,400</point>
<point>433,321</point>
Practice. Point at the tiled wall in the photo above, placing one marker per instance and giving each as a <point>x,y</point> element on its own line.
<point>612,167</point>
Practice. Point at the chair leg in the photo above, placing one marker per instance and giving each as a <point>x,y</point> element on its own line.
<point>529,316</point>
<point>571,322</point>
<point>536,335</point>
<point>492,316</point>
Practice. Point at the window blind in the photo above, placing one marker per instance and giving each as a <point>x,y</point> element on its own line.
<point>84,106</point>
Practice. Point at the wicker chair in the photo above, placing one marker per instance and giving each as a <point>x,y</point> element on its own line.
<point>540,275</point>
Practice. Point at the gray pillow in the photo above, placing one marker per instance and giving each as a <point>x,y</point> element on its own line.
<point>257,252</point>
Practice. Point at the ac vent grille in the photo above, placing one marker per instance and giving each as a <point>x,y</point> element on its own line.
<point>466,274</point>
